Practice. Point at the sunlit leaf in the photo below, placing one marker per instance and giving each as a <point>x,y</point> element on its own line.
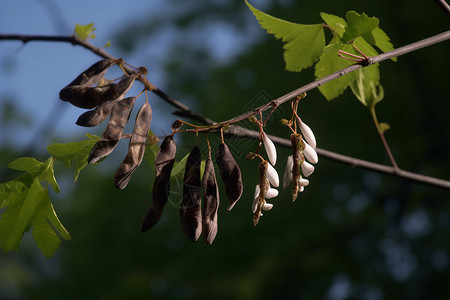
<point>336,23</point>
<point>17,217</point>
<point>382,41</point>
<point>359,25</point>
<point>26,164</point>
<point>329,63</point>
<point>304,43</point>
<point>77,151</point>
<point>84,31</point>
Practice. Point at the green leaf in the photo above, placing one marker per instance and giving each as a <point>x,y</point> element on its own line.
<point>382,41</point>
<point>70,152</point>
<point>329,63</point>
<point>43,232</point>
<point>29,164</point>
<point>366,86</point>
<point>48,174</point>
<point>360,25</point>
<point>304,43</point>
<point>17,217</point>
<point>84,31</point>
<point>108,44</point>
<point>178,168</point>
<point>337,24</point>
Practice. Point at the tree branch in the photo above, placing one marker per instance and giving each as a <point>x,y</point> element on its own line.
<point>238,131</point>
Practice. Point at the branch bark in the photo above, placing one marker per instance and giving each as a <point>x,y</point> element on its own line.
<point>238,131</point>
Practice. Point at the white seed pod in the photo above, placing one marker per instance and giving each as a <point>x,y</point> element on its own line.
<point>303,182</point>
<point>271,193</point>
<point>310,154</point>
<point>308,134</point>
<point>307,169</point>
<point>272,175</point>
<point>287,177</point>
<point>270,149</point>
<point>267,206</point>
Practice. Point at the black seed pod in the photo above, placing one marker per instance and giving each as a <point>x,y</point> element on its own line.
<point>84,96</point>
<point>190,211</point>
<point>230,173</point>
<point>210,202</point>
<point>113,132</point>
<point>136,147</point>
<point>96,116</point>
<point>164,161</point>
<point>93,74</point>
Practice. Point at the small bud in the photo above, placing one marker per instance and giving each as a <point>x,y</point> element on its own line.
<point>176,125</point>
<point>253,119</point>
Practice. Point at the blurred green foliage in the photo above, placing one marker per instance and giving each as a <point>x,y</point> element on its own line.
<point>353,234</point>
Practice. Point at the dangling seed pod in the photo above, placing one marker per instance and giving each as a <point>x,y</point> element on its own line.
<point>136,147</point>
<point>93,74</point>
<point>96,116</point>
<point>263,189</point>
<point>297,156</point>
<point>111,136</point>
<point>230,174</point>
<point>164,161</point>
<point>84,96</point>
<point>190,211</point>
<point>210,202</point>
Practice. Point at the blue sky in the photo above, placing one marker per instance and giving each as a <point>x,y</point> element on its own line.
<point>24,69</point>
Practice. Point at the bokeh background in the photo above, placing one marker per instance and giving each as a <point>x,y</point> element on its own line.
<point>353,234</point>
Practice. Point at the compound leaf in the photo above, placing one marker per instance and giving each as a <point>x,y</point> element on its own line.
<point>77,151</point>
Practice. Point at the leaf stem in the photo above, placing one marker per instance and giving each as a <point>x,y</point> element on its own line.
<point>383,139</point>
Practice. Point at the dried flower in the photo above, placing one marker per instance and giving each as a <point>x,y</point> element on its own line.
<point>263,191</point>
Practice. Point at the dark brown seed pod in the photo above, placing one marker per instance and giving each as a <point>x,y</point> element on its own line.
<point>98,115</point>
<point>136,147</point>
<point>230,174</point>
<point>297,158</point>
<point>164,161</point>
<point>210,202</point>
<point>113,132</point>
<point>84,96</point>
<point>190,211</point>
<point>93,74</point>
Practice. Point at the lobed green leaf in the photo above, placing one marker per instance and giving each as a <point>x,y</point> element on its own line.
<point>329,63</point>
<point>304,43</point>
<point>360,25</point>
<point>337,24</point>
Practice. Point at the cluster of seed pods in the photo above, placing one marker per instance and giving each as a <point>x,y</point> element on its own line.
<point>86,91</point>
<point>108,100</point>
<point>194,218</point>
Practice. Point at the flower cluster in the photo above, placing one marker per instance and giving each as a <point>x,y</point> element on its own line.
<point>299,164</point>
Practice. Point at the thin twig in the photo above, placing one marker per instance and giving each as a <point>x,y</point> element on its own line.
<point>242,132</point>
<point>444,5</point>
